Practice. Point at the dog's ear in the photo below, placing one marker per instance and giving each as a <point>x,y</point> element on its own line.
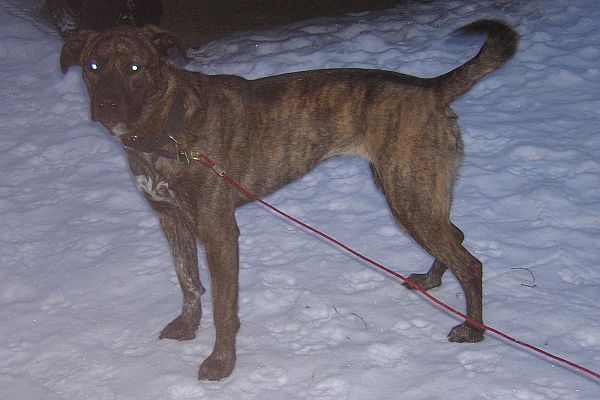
<point>72,48</point>
<point>166,43</point>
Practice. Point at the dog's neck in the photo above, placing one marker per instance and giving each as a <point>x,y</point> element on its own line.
<point>175,117</point>
<point>165,138</point>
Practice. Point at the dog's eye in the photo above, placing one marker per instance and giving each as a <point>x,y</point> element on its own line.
<point>133,67</point>
<point>93,65</point>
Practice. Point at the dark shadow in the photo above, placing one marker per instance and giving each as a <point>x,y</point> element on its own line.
<point>199,21</point>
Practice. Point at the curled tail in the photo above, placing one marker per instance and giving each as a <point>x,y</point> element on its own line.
<point>501,44</point>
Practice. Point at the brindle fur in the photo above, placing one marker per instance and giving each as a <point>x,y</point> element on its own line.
<point>270,131</point>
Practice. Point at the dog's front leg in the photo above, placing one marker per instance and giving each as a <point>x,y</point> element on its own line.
<point>182,241</point>
<point>221,247</point>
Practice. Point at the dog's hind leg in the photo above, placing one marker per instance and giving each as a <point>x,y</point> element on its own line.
<point>438,237</point>
<point>182,242</point>
<point>419,196</point>
<point>469,272</point>
<point>433,278</point>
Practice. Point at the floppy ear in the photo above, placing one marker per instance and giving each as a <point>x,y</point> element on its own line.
<point>72,49</point>
<point>165,42</point>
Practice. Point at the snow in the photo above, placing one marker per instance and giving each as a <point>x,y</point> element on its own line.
<point>87,282</point>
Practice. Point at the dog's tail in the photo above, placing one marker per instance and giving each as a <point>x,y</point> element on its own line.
<point>501,44</point>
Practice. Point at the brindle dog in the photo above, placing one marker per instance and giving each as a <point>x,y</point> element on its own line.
<point>268,132</point>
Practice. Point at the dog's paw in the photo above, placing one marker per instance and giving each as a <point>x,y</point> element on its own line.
<point>465,332</point>
<point>216,367</point>
<point>424,281</point>
<point>179,329</point>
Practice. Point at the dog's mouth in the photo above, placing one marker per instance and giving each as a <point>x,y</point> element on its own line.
<point>103,118</point>
<point>120,131</point>
<point>135,142</point>
<point>117,129</point>
<point>144,143</point>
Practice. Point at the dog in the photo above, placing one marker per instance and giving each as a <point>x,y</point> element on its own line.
<point>268,132</point>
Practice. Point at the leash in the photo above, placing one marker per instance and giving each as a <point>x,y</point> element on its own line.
<point>186,157</point>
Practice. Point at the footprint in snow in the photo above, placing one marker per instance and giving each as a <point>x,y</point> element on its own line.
<point>332,388</point>
<point>353,282</point>
<point>269,377</point>
<point>385,355</point>
<point>478,361</point>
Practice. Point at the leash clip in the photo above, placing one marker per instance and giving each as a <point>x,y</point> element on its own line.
<point>207,162</point>
<point>182,155</point>
<point>185,157</point>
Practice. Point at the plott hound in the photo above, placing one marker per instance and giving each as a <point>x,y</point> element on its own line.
<point>268,132</point>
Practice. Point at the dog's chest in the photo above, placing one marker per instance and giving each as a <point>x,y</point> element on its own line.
<point>156,189</point>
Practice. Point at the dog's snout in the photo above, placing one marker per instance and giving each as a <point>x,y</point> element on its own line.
<point>108,105</point>
<point>108,108</point>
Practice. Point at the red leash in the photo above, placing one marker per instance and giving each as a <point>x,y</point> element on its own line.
<point>219,171</point>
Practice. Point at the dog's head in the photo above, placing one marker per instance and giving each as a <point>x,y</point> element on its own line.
<point>125,71</point>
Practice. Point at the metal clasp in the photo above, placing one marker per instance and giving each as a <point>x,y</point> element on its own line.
<point>185,157</point>
<point>182,155</point>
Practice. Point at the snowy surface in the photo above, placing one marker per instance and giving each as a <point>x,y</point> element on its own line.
<point>86,281</point>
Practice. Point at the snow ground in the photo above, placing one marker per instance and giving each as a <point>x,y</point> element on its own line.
<point>86,278</point>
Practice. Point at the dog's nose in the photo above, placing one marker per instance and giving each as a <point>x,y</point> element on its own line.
<point>107,109</point>
<point>108,106</point>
